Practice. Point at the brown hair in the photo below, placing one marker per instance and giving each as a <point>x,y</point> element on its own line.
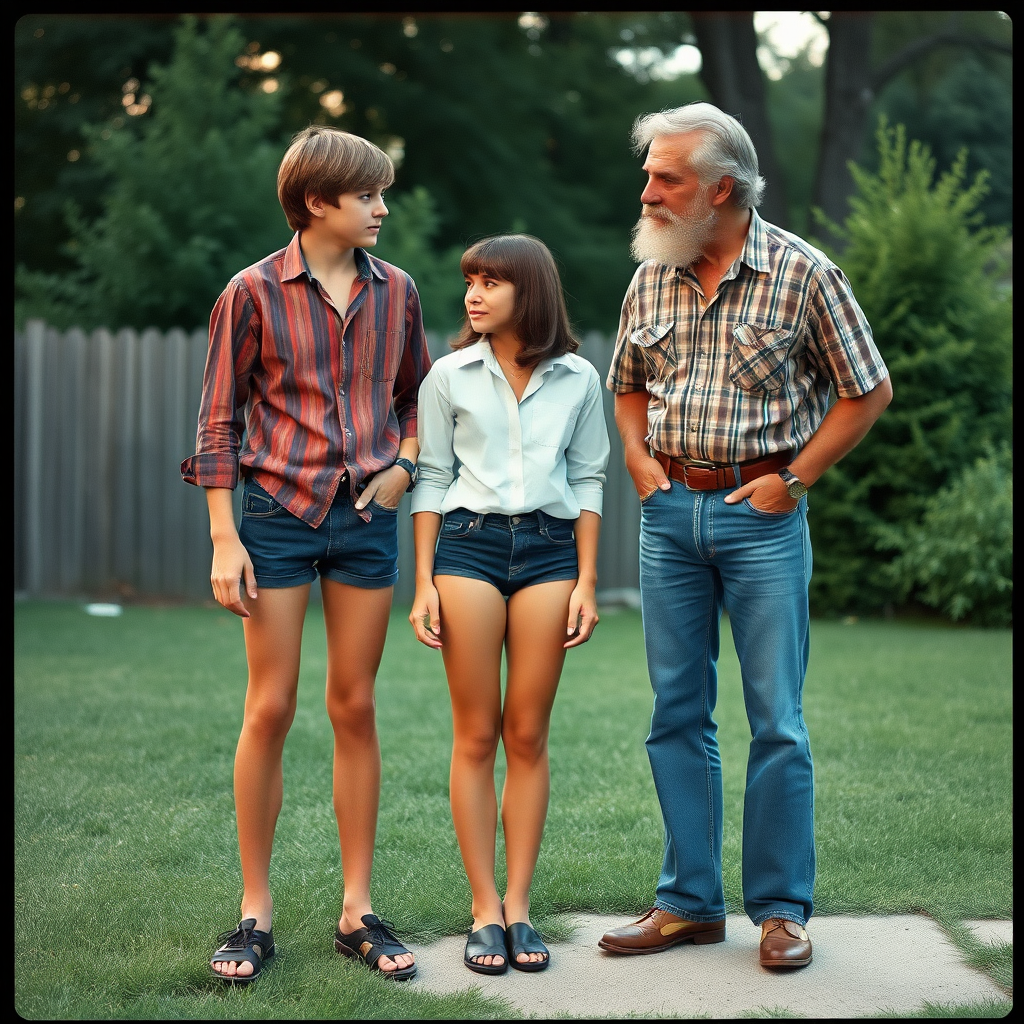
<point>324,163</point>
<point>539,317</point>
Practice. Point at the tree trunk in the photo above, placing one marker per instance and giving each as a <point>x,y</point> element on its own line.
<point>732,75</point>
<point>848,97</point>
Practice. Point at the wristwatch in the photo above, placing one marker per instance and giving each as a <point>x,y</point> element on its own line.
<point>412,469</point>
<point>794,485</point>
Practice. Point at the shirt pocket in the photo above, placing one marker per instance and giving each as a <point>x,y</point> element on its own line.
<point>759,358</point>
<point>657,344</point>
<point>382,352</point>
<point>551,424</point>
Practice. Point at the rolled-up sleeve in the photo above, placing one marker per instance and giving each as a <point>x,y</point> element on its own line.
<point>234,346</point>
<point>436,437</point>
<point>586,457</point>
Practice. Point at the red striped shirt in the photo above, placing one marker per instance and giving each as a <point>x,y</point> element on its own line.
<point>297,395</point>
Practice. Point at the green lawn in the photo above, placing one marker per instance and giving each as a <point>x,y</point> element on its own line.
<point>127,865</point>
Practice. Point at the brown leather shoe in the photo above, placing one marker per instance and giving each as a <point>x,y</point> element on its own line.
<point>784,944</point>
<point>658,930</point>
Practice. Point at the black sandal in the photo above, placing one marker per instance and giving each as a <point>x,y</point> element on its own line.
<point>486,941</point>
<point>379,939</point>
<point>521,938</point>
<point>243,945</point>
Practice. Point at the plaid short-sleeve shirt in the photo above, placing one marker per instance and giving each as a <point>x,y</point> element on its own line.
<point>748,374</point>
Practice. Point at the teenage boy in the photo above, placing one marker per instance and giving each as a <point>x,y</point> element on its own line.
<point>316,356</point>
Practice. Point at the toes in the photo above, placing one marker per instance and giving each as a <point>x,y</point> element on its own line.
<point>387,964</point>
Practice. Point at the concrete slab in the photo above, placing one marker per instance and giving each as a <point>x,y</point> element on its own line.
<point>862,965</point>
<point>991,931</point>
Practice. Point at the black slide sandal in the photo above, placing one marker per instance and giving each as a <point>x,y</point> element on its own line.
<point>486,941</point>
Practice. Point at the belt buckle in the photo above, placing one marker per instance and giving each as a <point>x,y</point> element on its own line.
<point>695,464</point>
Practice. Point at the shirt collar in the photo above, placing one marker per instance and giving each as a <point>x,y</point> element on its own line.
<point>755,249</point>
<point>295,264</point>
<point>481,352</point>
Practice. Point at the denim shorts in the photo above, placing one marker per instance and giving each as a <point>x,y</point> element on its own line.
<point>287,552</point>
<point>509,552</point>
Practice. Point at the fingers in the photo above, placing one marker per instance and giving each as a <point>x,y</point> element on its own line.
<point>425,619</point>
<point>385,487</point>
<point>582,620</point>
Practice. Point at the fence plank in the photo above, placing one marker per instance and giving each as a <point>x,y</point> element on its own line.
<point>98,483</point>
<point>125,386</point>
<point>150,494</point>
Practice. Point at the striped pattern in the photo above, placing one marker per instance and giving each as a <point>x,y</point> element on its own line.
<point>297,394</point>
<point>749,374</point>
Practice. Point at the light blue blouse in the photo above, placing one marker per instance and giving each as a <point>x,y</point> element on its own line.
<point>481,449</point>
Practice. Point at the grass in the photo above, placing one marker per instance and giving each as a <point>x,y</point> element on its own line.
<point>126,863</point>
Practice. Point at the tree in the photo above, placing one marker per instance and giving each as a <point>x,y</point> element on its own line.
<point>923,268</point>
<point>867,51</point>
<point>192,199</point>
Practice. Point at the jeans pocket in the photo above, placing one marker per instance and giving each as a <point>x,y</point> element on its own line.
<point>557,531</point>
<point>455,526</point>
<point>382,508</point>
<point>257,502</point>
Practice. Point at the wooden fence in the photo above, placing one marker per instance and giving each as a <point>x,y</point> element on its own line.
<point>102,422</point>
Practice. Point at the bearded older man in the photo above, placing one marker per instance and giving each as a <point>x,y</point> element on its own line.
<point>734,337</point>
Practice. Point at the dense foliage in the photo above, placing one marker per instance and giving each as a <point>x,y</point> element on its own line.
<point>959,557</point>
<point>193,198</point>
<point>927,275</point>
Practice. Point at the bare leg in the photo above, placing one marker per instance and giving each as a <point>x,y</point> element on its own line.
<point>356,620</point>
<point>472,632</point>
<point>534,649</point>
<point>273,640</point>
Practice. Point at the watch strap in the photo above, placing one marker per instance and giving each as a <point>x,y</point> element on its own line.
<point>410,468</point>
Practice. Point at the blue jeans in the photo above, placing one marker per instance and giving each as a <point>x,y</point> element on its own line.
<point>699,555</point>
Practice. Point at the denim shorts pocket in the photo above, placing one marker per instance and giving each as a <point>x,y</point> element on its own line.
<point>455,526</point>
<point>260,504</point>
<point>558,531</point>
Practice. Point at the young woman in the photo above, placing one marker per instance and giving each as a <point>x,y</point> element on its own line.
<point>506,512</point>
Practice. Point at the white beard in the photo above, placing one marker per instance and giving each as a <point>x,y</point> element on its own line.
<point>665,237</point>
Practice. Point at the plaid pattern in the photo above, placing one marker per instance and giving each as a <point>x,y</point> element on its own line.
<point>749,374</point>
<point>314,394</point>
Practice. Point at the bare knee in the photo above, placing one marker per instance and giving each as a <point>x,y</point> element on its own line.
<point>524,741</point>
<point>269,718</point>
<point>477,745</point>
<point>352,710</point>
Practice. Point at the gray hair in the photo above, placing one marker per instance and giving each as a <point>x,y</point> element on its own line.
<point>724,149</point>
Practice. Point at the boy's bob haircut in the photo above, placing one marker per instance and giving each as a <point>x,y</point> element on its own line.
<point>324,163</point>
<point>539,317</point>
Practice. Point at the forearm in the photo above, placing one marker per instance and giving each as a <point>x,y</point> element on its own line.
<point>841,430</point>
<point>631,421</point>
<point>587,530</point>
<point>219,501</point>
<point>425,528</point>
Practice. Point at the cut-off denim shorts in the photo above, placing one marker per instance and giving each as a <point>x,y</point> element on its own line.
<point>287,552</point>
<point>509,552</point>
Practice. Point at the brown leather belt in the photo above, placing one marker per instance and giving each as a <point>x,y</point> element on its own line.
<point>714,476</point>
